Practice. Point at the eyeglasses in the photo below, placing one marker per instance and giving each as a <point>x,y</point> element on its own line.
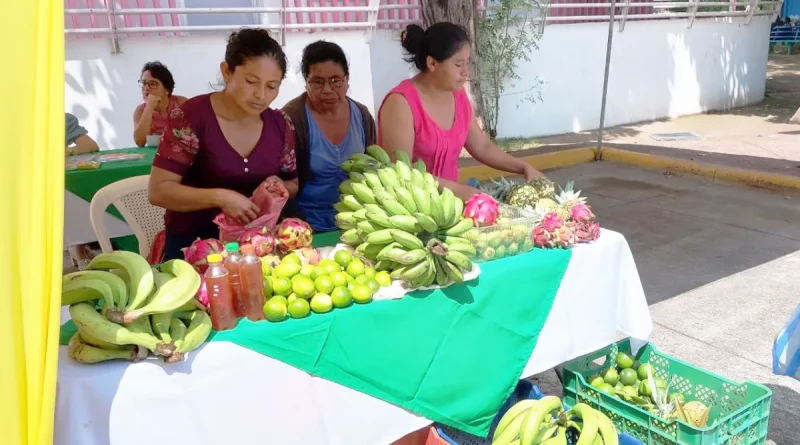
<point>318,84</point>
<point>149,83</point>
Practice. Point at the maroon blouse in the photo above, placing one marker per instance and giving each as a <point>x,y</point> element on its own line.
<point>194,147</point>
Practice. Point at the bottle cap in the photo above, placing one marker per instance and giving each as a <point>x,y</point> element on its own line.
<point>214,258</point>
<point>232,247</point>
<point>248,248</point>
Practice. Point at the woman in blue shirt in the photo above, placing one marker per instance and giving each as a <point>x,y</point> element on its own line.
<point>330,127</point>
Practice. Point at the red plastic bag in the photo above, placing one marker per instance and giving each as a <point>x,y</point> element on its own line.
<point>270,198</point>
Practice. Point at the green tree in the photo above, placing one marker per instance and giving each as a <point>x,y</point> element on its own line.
<point>506,34</point>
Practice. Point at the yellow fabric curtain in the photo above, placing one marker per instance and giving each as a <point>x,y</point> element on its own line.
<point>31,215</point>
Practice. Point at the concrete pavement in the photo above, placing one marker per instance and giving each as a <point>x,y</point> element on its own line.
<point>719,264</point>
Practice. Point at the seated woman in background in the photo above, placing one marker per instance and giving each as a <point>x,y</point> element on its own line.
<point>78,139</point>
<point>219,147</point>
<point>151,117</point>
<point>430,116</point>
<point>330,127</point>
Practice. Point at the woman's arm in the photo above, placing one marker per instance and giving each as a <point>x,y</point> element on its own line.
<point>484,151</point>
<point>84,144</point>
<point>396,127</point>
<point>143,119</point>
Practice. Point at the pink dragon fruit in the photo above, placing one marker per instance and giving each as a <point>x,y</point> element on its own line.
<point>483,210</point>
<point>308,255</point>
<point>261,238</point>
<point>293,234</point>
<point>585,231</point>
<point>200,249</point>
<point>202,293</point>
<point>581,212</point>
<point>551,221</point>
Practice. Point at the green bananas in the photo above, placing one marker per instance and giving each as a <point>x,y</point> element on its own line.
<point>140,310</point>
<point>393,213</point>
<point>544,422</point>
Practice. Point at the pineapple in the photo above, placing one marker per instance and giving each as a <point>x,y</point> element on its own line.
<point>568,197</point>
<point>526,195</point>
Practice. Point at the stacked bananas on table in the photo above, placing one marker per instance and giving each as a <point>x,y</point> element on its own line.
<point>544,421</point>
<point>395,217</point>
<point>141,309</point>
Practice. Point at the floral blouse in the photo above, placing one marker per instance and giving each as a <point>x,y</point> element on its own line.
<point>194,147</point>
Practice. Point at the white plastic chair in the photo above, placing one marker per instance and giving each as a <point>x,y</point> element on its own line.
<point>129,196</point>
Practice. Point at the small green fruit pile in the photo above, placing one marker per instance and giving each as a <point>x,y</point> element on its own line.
<point>294,289</point>
<point>495,244</point>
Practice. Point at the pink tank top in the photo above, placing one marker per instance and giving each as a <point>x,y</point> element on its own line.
<point>159,121</point>
<point>438,148</point>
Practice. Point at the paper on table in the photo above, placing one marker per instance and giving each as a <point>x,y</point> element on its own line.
<point>397,289</point>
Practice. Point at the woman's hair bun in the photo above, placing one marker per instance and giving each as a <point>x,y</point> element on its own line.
<point>411,38</point>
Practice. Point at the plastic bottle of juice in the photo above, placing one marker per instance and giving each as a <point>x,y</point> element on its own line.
<point>252,283</point>
<point>219,294</point>
<point>232,262</point>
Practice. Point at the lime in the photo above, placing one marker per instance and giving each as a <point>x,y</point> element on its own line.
<point>373,285</point>
<point>286,270</point>
<point>361,279</point>
<point>292,258</point>
<point>630,391</point>
<point>610,376</point>
<point>324,284</point>
<point>628,377</point>
<point>281,286</point>
<point>275,310</point>
<point>355,268</point>
<point>608,389</point>
<point>291,297</point>
<point>339,279</point>
<point>281,299</point>
<point>299,308</point>
<point>370,272</point>
<point>329,266</point>
<point>303,287</point>
<point>341,297</point>
<point>645,389</point>
<point>343,257</point>
<point>267,287</point>
<point>618,386</point>
<point>624,361</point>
<point>596,381</point>
<point>318,272</point>
<point>307,270</point>
<point>660,383</point>
<point>361,293</point>
<point>646,370</point>
<point>383,278</point>
<point>349,278</point>
<point>321,303</point>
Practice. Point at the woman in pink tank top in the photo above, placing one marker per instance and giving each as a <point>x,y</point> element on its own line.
<point>152,116</point>
<point>430,116</point>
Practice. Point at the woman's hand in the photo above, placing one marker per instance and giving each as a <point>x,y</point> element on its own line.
<point>530,173</point>
<point>274,180</point>
<point>152,101</point>
<point>238,207</point>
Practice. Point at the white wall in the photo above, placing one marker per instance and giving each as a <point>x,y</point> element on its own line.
<point>101,87</point>
<point>658,69</point>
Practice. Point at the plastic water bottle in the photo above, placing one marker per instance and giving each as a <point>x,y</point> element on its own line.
<point>232,262</point>
<point>252,283</point>
<point>219,294</point>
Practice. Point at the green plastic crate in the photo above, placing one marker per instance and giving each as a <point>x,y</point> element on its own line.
<point>739,411</point>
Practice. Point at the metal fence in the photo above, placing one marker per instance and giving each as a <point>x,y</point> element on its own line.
<point>117,19</point>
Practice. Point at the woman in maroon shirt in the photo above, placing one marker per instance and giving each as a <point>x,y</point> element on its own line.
<point>217,148</point>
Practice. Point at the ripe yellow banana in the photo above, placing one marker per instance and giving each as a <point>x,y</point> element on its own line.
<point>169,297</point>
<point>135,267</point>
<point>607,429</point>
<point>590,422</point>
<point>559,439</point>
<point>547,431</point>
<point>535,416</point>
<point>84,353</point>
<point>87,319</point>
<point>119,289</point>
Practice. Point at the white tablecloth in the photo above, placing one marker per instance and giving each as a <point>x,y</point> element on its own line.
<point>78,226</point>
<point>226,394</point>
